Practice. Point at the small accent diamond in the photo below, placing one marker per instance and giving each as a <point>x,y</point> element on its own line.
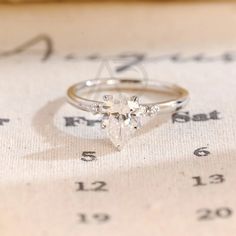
<point>153,110</point>
<point>95,108</point>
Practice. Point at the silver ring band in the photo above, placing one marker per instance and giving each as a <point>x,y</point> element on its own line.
<point>76,91</point>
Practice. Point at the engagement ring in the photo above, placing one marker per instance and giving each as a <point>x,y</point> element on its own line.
<point>122,114</point>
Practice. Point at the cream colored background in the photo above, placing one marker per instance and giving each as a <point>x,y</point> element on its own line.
<point>150,181</point>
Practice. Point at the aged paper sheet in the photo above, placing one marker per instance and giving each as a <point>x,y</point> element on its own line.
<point>59,175</point>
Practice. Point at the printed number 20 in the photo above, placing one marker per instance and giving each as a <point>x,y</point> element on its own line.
<point>208,214</point>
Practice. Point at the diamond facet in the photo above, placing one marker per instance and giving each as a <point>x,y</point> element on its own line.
<point>122,118</point>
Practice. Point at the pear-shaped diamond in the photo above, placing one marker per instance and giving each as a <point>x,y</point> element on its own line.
<point>121,118</point>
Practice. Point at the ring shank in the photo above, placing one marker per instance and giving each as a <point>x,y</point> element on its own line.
<point>75,92</point>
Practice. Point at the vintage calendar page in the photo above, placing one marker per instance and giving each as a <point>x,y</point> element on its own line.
<point>60,176</point>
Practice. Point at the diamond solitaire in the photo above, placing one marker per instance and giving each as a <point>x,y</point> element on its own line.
<point>122,118</point>
<point>121,114</point>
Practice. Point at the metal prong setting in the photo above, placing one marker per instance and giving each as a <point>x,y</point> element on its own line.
<point>134,99</point>
<point>107,97</point>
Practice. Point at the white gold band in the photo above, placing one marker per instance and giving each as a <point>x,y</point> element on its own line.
<point>75,93</point>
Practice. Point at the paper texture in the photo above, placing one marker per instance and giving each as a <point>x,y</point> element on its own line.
<point>59,175</point>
